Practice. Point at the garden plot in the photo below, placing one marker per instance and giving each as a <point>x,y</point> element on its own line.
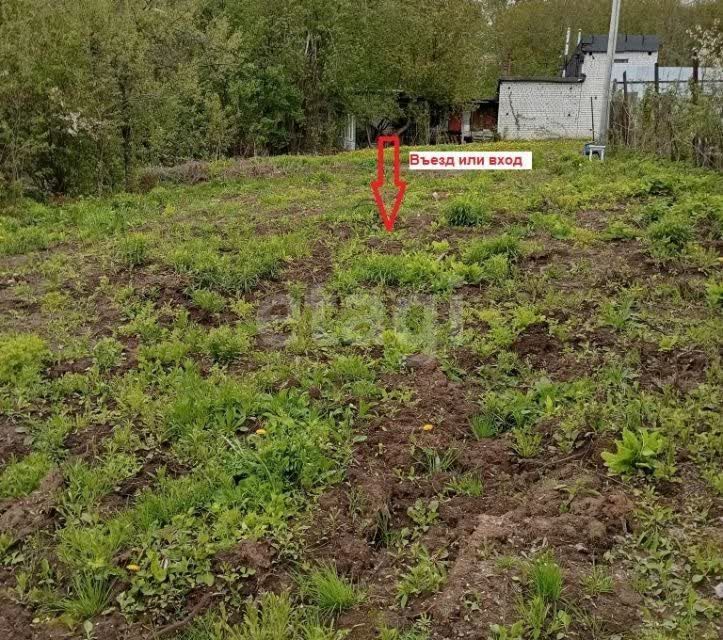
<point>242,410</point>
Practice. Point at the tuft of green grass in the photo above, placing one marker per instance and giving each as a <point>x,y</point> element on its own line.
<point>107,353</point>
<point>468,484</point>
<point>480,251</point>
<point>225,344</point>
<point>714,294</point>
<point>526,442</point>
<point>208,301</point>
<point>133,250</point>
<point>465,212</point>
<point>326,589</point>
<point>21,477</point>
<point>271,617</point>
<point>22,357</point>
<point>598,581</point>
<point>484,426</point>
<point>546,578</point>
<point>435,461</point>
<point>89,597</point>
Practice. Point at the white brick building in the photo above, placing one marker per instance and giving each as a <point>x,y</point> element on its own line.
<point>569,106</point>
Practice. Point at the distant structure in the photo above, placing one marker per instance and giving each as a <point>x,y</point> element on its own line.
<point>568,106</point>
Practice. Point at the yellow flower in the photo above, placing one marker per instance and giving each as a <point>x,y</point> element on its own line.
<point>133,567</point>
<point>427,427</point>
<point>260,432</point>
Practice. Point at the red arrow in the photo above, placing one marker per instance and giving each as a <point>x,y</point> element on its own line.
<point>388,217</point>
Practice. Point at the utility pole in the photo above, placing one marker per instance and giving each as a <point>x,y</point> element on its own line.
<point>612,48</point>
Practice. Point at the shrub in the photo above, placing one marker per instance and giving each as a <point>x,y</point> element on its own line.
<point>635,452</point>
<point>465,213</point>
<point>21,358</point>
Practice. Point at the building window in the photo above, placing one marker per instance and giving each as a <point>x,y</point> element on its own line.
<point>622,60</point>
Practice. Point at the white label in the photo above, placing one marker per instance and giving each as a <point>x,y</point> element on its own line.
<point>470,160</point>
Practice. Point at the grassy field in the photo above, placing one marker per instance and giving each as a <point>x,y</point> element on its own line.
<point>241,410</point>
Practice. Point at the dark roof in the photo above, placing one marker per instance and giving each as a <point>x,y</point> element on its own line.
<point>552,80</point>
<point>626,43</point>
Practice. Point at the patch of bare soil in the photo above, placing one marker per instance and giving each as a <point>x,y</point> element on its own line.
<point>24,516</point>
<point>12,441</point>
<point>683,370</point>
<point>522,510</point>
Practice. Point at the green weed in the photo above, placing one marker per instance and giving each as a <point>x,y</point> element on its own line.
<point>107,353</point>
<point>89,597</point>
<point>208,301</point>
<point>21,477</point>
<point>598,581</point>
<point>425,576</point>
<point>468,484</point>
<point>226,344</point>
<point>526,442</point>
<point>133,250</point>
<point>546,578</point>
<point>479,251</point>
<point>637,451</point>
<point>326,589</point>
<point>22,358</point>
<point>669,236</point>
<point>464,212</point>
